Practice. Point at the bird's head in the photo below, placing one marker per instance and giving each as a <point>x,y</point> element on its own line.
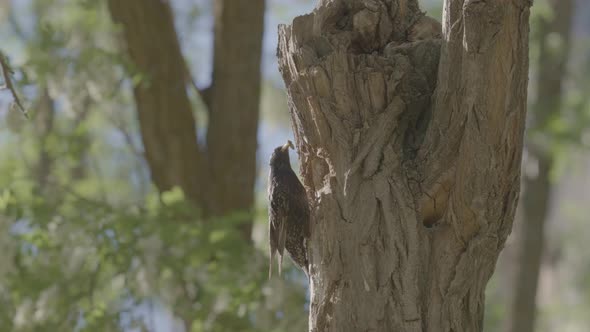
<point>280,157</point>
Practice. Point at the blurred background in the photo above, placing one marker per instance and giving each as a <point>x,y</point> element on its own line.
<point>112,220</point>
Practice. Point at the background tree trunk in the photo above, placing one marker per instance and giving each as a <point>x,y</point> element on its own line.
<point>166,121</point>
<point>380,162</point>
<point>235,100</point>
<point>538,187</point>
<point>220,177</point>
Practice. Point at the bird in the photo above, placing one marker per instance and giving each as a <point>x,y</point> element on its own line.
<point>289,225</point>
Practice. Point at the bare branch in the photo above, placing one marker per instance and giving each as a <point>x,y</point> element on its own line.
<point>7,72</point>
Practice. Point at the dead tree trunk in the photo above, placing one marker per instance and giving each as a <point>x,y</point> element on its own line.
<point>412,166</point>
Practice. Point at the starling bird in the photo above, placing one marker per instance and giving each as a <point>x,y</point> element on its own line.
<point>288,211</point>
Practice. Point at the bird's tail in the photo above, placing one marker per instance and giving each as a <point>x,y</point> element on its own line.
<point>280,263</point>
<point>282,240</point>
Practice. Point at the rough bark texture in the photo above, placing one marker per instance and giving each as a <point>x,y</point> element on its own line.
<point>412,201</point>
<point>219,178</point>
<point>538,187</point>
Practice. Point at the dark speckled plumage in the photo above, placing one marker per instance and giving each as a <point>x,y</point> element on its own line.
<point>288,211</point>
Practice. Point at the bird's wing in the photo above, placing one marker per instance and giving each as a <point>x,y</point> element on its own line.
<point>301,205</point>
<point>279,211</point>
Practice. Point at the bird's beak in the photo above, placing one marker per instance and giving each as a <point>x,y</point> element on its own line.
<point>287,145</point>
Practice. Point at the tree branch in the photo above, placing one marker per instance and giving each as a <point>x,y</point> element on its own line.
<point>234,103</point>
<point>167,124</point>
<point>7,72</point>
<point>477,125</point>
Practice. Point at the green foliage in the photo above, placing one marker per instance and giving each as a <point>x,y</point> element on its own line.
<point>562,137</point>
<point>87,243</point>
<point>565,128</point>
<point>74,259</point>
<point>79,263</point>
<point>496,312</point>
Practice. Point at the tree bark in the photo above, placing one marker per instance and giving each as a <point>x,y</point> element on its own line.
<point>538,187</point>
<point>220,177</point>
<point>412,200</point>
<point>167,124</point>
<point>235,101</point>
